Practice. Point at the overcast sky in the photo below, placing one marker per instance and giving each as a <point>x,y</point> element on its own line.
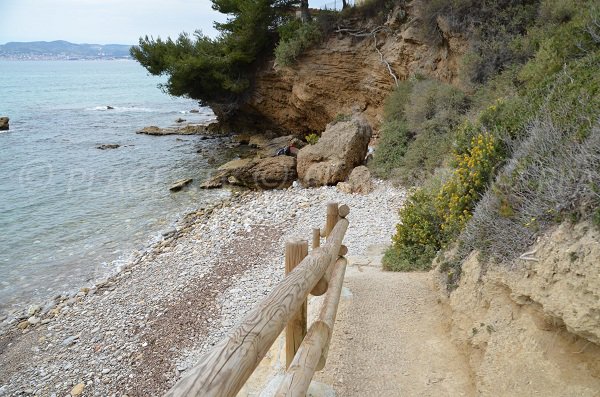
<point>105,21</point>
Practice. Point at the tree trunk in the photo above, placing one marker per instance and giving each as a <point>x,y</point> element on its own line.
<point>344,4</point>
<point>304,15</point>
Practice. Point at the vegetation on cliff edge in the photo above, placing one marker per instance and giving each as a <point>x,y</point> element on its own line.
<point>524,156</point>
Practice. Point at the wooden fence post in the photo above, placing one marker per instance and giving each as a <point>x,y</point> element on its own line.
<point>295,252</point>
<point>343,211</point>
<point>316,238</point>
<point>337,213</point>
<point>332,218</point>
<point>321,286</point>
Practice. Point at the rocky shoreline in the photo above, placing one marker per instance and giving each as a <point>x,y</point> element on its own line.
<point>135,333</point>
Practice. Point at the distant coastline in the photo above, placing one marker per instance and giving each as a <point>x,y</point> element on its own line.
<point>62,50</point>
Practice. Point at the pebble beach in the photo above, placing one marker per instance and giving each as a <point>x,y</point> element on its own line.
<point>135,333</point>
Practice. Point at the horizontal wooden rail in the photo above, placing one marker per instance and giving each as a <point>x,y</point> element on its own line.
<point>312,354</point>
<point>223,371</point>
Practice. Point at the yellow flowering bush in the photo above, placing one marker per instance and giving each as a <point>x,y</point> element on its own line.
<point>474,168</point>
<point>431,219</point>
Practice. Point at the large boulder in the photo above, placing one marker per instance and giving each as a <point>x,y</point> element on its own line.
<point>358,182</point>
<point>4,123</point>
<point>268,173</point>
<point>342,147</point>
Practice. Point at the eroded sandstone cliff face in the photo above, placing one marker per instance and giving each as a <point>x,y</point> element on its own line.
<point>345,74</point>
<point>534,329</point>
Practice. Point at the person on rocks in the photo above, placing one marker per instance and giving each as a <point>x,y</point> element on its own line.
<point>289,150</point>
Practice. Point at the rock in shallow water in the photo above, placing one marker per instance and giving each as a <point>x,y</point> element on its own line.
<point>180,184</point>
<point>108,146</point>
<point>4,123</point>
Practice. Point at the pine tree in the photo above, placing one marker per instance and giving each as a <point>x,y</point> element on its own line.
<point>217,71</point>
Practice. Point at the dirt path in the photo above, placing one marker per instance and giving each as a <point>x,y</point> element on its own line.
<point>389,338</point>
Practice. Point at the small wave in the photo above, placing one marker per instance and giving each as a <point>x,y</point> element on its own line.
<point>119,109</point>
<point>201,111</point>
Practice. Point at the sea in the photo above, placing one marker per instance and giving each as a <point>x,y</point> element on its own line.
<point>71,213</point>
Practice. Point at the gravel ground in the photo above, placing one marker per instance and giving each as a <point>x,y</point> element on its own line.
<point>135,333</point>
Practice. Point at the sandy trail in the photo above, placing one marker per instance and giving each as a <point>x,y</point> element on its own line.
<point>389,338</point>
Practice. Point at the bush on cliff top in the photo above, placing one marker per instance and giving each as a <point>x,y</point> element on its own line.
<point>492,26</point>
<point>298,38</point>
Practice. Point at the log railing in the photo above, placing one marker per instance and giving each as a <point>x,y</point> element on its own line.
<point>224,370</point>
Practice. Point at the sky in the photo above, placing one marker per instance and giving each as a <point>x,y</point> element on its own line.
<point>106,21</point>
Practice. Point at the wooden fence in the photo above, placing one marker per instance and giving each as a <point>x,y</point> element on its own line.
<point>224,370</point>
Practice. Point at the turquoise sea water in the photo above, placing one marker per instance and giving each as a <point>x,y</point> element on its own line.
<point>69,211</point>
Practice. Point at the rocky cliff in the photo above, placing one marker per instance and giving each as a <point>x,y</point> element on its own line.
<point>533,329</point>
<point>346,74</point>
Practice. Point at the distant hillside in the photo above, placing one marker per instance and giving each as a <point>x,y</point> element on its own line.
<point>61,49</point>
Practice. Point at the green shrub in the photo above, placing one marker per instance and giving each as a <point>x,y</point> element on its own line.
<point>553,173</point>
<point>433,216</point>
<point>433,101</point>
<point>542,113</point>
<point>394,134</point>
<point>424,154</point>
<point>557,11</point>
<point>289,29</point>
<point>417,237</point>
<point>416,135</point>
<point>394,137</point>
<point>374,11</point>
<point>298,41</point>
<point>312,138</point>
<point>507,119</point>
<point>432,111</point>
<point>395,103</point>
